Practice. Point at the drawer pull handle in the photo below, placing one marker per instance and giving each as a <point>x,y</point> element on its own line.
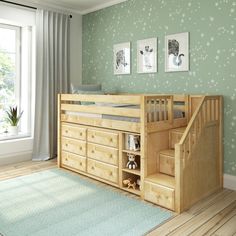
<point>92,167</point>
<point>111,140</point>
<point>66,131</point>
<point>111,155</point>
<point>66,159</point>
<point>92,136</point>
<point>92,151</point>
<point>80,134</point>
<point>81,163</point>
<point>110,173</point>
<point>80,148</point>
<point>66,145</point>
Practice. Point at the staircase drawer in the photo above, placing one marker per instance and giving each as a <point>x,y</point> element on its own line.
<point>103,153</point>
<point>167,165</point>
<point>105,138</point>
<point>73,145</point>
<point>73,161</point>
<point>102,170</point>
<point>73,131</point>
<point>175,138</point>
<point>159,195</point>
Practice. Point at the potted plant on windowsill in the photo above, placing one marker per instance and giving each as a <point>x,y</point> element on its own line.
<point>13,118</point>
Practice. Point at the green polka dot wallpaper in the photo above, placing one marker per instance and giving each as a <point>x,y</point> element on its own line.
<point>212,29</point>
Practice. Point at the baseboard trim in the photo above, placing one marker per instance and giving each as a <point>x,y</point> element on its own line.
<point>230,181</point>
<point>16,158</point>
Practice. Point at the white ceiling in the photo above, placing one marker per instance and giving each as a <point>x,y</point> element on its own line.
<point>79,6</point>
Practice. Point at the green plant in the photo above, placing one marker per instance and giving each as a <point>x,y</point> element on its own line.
<point>12,117</point>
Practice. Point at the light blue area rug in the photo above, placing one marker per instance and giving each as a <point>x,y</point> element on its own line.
<point>55,202</point>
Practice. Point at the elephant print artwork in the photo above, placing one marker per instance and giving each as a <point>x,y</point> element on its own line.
<point>121,58</point>
<point>177,52</point>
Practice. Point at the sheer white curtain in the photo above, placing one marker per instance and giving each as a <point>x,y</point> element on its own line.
<point>52,77</point>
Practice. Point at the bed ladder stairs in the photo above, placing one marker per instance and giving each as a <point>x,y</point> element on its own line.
<point>167,157</point>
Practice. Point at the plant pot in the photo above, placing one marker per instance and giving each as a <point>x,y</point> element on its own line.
<point>13,130</point>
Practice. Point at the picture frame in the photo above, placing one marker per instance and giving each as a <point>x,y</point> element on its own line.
<point>121,55</point>
<point>147,55</point>
<point>177,52</point>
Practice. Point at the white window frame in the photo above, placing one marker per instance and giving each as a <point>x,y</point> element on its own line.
<point>17,88</point>
<point>23,78</point>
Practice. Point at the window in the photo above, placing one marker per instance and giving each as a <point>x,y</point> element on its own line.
<point>15,75</point>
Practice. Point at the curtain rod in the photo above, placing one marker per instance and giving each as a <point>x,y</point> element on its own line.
<point>22,5</point>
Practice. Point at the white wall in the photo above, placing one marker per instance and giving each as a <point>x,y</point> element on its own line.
<point>13,151</point>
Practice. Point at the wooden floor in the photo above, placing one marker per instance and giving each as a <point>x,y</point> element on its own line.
<point>215,215</point>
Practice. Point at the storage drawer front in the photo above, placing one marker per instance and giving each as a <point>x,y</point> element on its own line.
<point>72,131</point>
<point>175,138</point>
<point>104,138</point>
<point>167,165</point>
<point>102,153</point>
<point>160,195</point>
<point>75,146</point>
<point>73,161</point>
<point>103,170</point>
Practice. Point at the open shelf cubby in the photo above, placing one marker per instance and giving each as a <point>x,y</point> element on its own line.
<point>134,178</point>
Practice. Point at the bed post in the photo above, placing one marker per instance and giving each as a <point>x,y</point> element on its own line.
<point>59,130</point>
<point>143,146</point>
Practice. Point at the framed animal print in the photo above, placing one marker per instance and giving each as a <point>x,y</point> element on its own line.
<point>147,55</point>
<point>177,52</point>
<point>121,58</point>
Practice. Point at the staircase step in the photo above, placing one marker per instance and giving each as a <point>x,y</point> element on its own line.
<point>175,136</point>
<point>167,162</point>
<point>162,179</point>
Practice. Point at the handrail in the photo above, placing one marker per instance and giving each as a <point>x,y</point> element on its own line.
<point>195,115</point>
<point>207,114</point>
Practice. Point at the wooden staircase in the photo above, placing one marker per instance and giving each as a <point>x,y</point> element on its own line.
<point>167,157</point>
<point>188,166</point>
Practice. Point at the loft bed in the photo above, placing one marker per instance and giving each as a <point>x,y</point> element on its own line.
<point>173,132</point>
<point>125,112</point>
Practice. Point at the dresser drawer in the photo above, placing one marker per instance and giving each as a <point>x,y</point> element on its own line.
<point>159,195</point>
<point>73,145</point>
<point>103,170</point>
<point>73,131</point>
<point>73,161</point>
<point>103,153</point>
<point>104,138</point>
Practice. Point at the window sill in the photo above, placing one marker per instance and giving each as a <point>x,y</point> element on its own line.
<point>7,137</point>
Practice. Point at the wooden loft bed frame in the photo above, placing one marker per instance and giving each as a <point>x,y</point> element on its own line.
<point>170,161</point>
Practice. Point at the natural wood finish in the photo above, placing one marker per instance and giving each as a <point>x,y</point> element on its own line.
<point>162,179</point>
<point>103,137</point>
<point>59,129</point>
<point>103,123</point>
<point>103,153</point>
<point>73,131</point>
<point>156,142</point>
<point>120,99</point>
<point>102,110</point>
<point>167,162</point>
<point>218,213</point>
<point>198,163</point>
<point>73,161</point>
<point>74,146</point>
<point>190,172</point>
<point>102,170</point>
<point>159,194</point>
<point>175,136</point>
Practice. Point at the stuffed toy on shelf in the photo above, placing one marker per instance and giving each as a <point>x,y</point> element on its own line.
<point>129,183</point>
<point>131,164</point>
